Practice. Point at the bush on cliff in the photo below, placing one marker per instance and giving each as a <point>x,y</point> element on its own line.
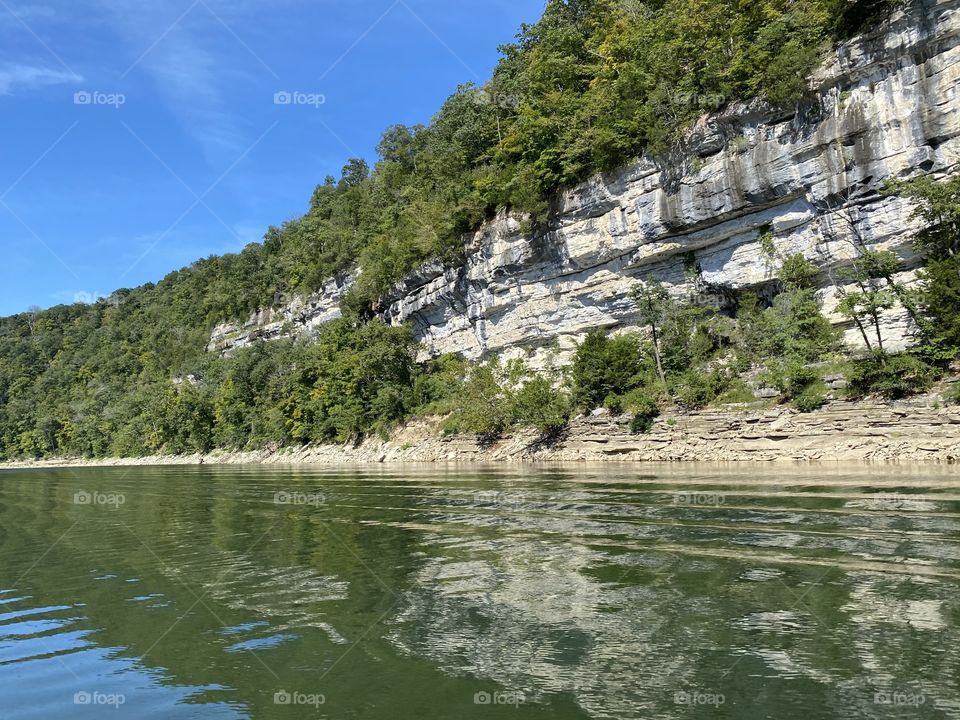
<point>890,376</point>
<point>954,394</point>
<point>794,379</point>
<point>812,398</point>
<point>540,404</point>
<point>605,366</point>
<point>793,328</point>
<point>483,403</point>
<point>645,407</point>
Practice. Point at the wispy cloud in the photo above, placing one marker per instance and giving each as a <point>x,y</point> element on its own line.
<point>15,15</point>
<point>15,76</point>
<point>187,54</point>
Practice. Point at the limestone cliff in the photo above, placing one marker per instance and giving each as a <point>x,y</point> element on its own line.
<point>885,105</point>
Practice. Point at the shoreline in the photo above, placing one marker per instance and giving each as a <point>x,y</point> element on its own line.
<point>920,430</point>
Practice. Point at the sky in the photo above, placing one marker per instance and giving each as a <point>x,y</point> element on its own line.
<point>141,135</point>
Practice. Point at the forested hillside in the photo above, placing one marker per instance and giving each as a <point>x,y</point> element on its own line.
<point>592,85</point>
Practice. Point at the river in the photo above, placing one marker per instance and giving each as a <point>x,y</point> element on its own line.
<point>614,591</point>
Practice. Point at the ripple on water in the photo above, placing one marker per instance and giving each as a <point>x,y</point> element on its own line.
<point>593,592</point>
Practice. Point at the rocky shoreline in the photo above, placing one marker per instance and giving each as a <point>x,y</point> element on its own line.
<point>919,430</point>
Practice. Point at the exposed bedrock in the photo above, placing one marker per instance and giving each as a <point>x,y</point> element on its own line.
<point>886,106</point>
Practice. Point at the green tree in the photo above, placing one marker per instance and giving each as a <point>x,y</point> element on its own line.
<point>654,305</point>
<point>603,366</point>
<point>540,403</point>
<point>937,210</point>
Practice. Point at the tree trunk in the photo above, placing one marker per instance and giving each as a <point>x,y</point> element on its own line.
<point>876,324</point>
<point>863,333</point>
<point>656,355</point>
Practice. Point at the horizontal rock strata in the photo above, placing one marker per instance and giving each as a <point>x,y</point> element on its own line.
<point>808,180</point>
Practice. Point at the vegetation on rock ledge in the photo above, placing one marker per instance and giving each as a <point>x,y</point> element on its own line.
<point>589,87</point>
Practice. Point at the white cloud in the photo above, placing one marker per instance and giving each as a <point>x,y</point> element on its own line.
<point>30,77</point>
<point>189,57</point>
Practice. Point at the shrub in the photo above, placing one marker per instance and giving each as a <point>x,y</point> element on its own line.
<point>437,387</point>
<point>891,376</point>
<point>614,403</point>
<point>739,145</point>
<point>790,378</point>
<point>955,393</point>
<point>798,327</point>
<point>646,408</point>
<point>738,392</point>
<point>812,398</point>
<point>697,388</point>
<point>483,406</point>
<point>605,365</point>
<point>798,272</point>
<point>794,327</point>
<point>541,405</point>
<point>641,424</point>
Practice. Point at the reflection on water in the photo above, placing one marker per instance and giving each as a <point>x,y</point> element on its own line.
<point>552,592</point>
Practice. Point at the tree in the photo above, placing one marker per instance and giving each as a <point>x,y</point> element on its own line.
<point>605,366</point>
<point>653,303</point>
<point>870,300</point>
<point>484,406</point>
<point>355,173</point>
<point>797,272</point>
<point>937,210</point>
<point>540,403</point>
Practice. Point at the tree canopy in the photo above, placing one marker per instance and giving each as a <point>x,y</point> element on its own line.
<point>592,85</point>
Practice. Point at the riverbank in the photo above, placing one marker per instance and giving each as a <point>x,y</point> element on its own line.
<point>919,430</point>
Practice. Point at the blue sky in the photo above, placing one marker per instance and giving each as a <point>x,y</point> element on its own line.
<point>140,135</point>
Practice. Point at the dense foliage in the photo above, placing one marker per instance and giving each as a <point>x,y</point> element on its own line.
<point>84,389</point>
<point>130,375</point>
<point>590,86</point>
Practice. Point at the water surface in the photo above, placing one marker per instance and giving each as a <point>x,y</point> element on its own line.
<point>619,591</point>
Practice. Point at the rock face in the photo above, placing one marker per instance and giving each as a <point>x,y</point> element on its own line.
<point>806,181</point>
<point>298,317</point>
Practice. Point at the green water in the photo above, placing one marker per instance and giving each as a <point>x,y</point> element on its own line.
<point>562,592</point>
